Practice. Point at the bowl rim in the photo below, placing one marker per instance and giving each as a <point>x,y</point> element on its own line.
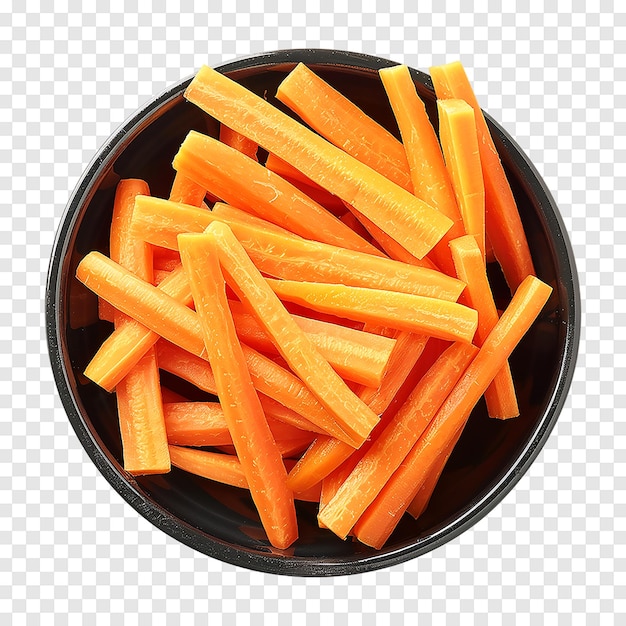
<point>127,486</point>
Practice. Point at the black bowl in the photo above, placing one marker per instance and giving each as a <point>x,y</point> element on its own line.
<point>221,521</point>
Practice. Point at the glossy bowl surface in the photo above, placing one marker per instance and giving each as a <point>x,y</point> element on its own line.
<point>221,521</point>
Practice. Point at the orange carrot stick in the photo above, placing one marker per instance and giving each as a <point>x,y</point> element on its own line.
<point>139,403</point>
<point>500,395</point>
<point>381,517</point>
<point>294,258</point>
<point>187,191</point>
<point>351,415</point>
<point>429,176</point>
<point>246,184</point>
<point>502,220</point>
<point>340,121</point>
<point>123,349</point>
<point>326,453</point>
<point>286,256</point>
<point>257,452</point>
<point>222,468</point>
<point>386,453</point>
<point>457,133</point>
<point>238,142</point>
<point>422,498</point>
<point>198,424</point>
<point>391,247</point>
<point>419,314</point>
<point>413,223</point>
<point>354,355</point>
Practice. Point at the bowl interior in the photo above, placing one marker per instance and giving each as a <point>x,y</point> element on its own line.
<point>221,521</point>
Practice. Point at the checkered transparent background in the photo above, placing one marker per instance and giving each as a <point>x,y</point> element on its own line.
<point>72,548</point>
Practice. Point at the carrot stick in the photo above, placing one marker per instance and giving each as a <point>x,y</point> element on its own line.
<point>406,353</point>
<point>288,172</point>
<point>429,176</point>
<point>294,258</point>
<point>386,453</point>
<point>286,256</point>
<point>186,191</point>
<point>257,452</point>
<point>326,453</point>
<point>500,395</point>
<point>222,468</point>
<point>238,142</point>
<point>413,223</point>
<point>283,396</point>
<point>391,247</point>
<point>168,396</point>
<point>246,184</point>
<point>381,517</point>
<point>121,351</point>
<point>351,415</point>
<point>198,424</point>
<point>503,224</point>
<point>353,354</point>
<point>457,133</point>
<point>340,121</point>
<point>419,314</point>
<point>139,403</point>
<point>422,498</point>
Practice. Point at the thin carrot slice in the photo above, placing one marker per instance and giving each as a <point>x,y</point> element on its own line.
<point>239,142</point>
<point>386,453</point>
<point>326,453</point>
<point>419,314</point>
<point>283,395</point>
<point>413,223</point>
<point>139,403</point>
<point>340,121</point>
<point>502,220</point>
<point>355,355</point>
<point>381,517</point>
<point>459,142</point>
<point>187,191</point>
<point>246,184</point>
<point>429,176</point>
<point>352,416</point>
<point>256,449</point>
<point>500,395</point>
